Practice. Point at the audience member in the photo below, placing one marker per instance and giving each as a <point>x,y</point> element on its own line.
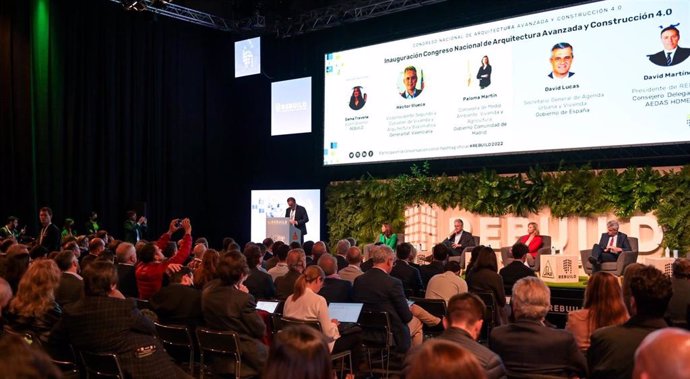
<point>527,346</point>
<point>446,285</point>
<point>268,244</point>
<point>306,304</point>
<point>354,259</point>
<point>516,269</point>
<point>381,292</point>
<point>71,286</point>
<point>341,253</point>
<point>281,266</point>
<point>474,255</point>
<point>199,250</point>
<point>179,302</point>
<point>49,236</point>
<point>317,251</point>
<point>259,283</point>
<point>485,278</point>
<point>629,273</point>
<point>207,271</point>
<point>96,247</point>
<point>33,309</point>
<point>104,321</point>
<point>285,284</point>
<point>334,289</point>
<point>463,323</point>
<point>663,354</point>
<point>126,257</point>
<point>603,306</point>
<point>149,272</point>
<point>440,254</point>
<point>273,261</point>
<point>227,305</point>
<point>409,276</point>
<point>680,301</point>
<point>135,228</point>
<point>612,348</point>
<point>38,252</point>
<point>299,352</point>
<point>440,359</point>
<point>16,265</point>
<point>19,360</point>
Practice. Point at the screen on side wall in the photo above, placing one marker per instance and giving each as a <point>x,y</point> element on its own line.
<point>291,107</point>
<point>273,203</point>
<point>248,57</point>
<point>582,77</point>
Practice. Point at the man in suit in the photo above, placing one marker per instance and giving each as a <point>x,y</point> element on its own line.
<point>134,229</point>
<point>317,251</point>
<point>527,346</point>
<point>611,244</point>
<point>561,60</point>
<point>613,348</point>
<point>410,83</point>
<point>354,260</point>
<point>334,290</point>
<point>516,270</point>
<point>96,247</point>
<point>460,239</point>
<point>381,292</point>
<point>285,284</point>
<point>663,354</point>
<point>259,283</point>
<point>126,258</point>
<point>49,236</point>
<point>298,217</point>
<point>104,321</point>
<point>179,302</point>
<point>440,253</point>
<point>672,54</point>
<point>463,322</point>
<point>408,275</point>
<point>71,286</point>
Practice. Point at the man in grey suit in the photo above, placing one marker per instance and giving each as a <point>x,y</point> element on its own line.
<point>463,322</point>
<point>71,286</point>
<point>527,346</point>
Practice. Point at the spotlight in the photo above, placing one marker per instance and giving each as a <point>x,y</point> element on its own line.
<point>134,5</point>
<point>160,3</point>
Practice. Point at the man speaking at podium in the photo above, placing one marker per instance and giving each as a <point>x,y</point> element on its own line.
<point>298,217</point>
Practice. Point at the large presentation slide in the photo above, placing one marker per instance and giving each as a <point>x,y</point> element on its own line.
<point>604,74</point>
<point>273,203</point>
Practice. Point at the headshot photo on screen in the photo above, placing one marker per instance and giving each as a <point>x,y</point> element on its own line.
<point>358,98</point>
<point>484,73</point>
<point>672,54</point>
<point>410,80</point>
<point>561,60</point>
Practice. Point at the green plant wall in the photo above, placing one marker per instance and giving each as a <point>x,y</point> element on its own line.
<point>357,208</point>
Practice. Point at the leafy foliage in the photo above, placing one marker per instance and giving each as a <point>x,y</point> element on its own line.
<point>358,208</point>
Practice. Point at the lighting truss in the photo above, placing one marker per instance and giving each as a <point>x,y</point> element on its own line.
<point>186,14</point>
<point>324,18</point>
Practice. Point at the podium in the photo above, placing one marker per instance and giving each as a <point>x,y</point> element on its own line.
<point>280,229</point>
<point>558,268</point>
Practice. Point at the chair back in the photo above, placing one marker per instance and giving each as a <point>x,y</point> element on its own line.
<point>287,321</point>
<point>215,342</point>
<point>376,328</point>
<point>546,242</point>
<point>101,364</point>
<point>634,244</point>
<point>177,337</point>
<point>436,307</point>
<point>491,316</point>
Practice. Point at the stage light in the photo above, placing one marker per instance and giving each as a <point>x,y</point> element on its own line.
<point>134,5</point>
<point>160,3</point>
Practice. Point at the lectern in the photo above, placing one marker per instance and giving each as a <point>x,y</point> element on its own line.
<point>280,229</point>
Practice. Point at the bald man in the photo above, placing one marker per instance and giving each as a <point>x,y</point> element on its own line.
<point>663,355</point>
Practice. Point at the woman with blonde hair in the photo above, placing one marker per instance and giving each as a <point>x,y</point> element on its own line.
<point>306,304</point>
<point>603,306</point>
<point>34,308</point>
<point>533,241</point>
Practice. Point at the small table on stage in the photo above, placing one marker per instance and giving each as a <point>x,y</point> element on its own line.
<point>558,268</point>
<point>663,264</point>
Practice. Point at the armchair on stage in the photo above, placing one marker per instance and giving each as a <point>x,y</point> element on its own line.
<point>624,259</point>
<point>280,229</point>
<point>545,249</point>
<point>468,250</point>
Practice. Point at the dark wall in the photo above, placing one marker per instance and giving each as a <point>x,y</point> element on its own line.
<point>126,108</point>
